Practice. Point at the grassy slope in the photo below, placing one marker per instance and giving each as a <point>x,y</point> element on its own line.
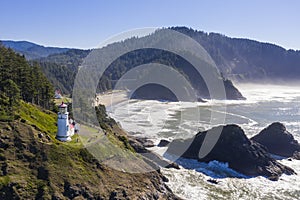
<point>35,165</point>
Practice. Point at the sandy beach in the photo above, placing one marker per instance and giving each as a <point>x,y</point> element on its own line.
<point>111,98</point>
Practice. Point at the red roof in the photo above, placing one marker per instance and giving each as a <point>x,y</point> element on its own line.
<point>62,105</point>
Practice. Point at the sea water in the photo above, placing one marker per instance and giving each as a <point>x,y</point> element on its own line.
<point>265,104</point>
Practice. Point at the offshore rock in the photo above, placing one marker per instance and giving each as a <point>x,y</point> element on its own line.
<point>233,147</point>
<point>278,141</point>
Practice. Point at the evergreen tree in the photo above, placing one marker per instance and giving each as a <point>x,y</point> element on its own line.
<point>21,81</point>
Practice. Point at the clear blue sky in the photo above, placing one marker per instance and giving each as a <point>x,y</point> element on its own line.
<point>85,24</point>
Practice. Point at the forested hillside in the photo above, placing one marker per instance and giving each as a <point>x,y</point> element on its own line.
<point>238,59</point>
<point>21,81</point>
<point>34,165</point>
<point>69,62</point>
<point>248,60</point>
<point>61,69</point>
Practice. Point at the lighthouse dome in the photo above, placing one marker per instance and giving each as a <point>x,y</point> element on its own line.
<point>63,108</point>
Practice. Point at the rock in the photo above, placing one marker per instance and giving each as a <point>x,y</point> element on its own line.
<point>165,179</point>
<point>145,142</point>
<point>163,143</point>
<point>113,195</point>
<point>43,173</point>
<point>214,181</point>
<point>231,91</point>
<point>173,165</point>
<point>296,155</point>
<point>233,147</point>
<point>152,158</point>
<point>154,92</point>
<point>278,141</point>
<point>8,128</point>
<point>9,192</point>
<point>137,146</point>
<point>40,135</point>
<point>73,191</point>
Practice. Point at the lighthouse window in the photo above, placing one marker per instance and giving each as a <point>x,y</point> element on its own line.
<point>62,110</point>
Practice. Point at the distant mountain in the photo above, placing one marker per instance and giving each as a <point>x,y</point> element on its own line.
<point>31,50</point>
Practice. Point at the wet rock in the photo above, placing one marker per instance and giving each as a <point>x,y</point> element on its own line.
<point>232,147</point>
<point>152,158</point>
<point>145,142</point>
<point>278,141</point>
<point>163,143</point>
<point>214,181</point>
<point>296,155</point>
<point>165,179</point>
<point>173,165</point>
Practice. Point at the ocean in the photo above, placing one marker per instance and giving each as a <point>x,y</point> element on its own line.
<point>265,104</point>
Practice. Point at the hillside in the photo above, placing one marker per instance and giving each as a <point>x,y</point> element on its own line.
<point>31,50</point>
<point>238,59</point>
<point>21,81</point>
<point>61,69</point>
<point>34,165</point>
<point>71,60</point>
<point>248,60</point>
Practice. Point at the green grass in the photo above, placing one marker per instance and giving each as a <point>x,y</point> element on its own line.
<point>43,120</point>
<point>4,180</point>
<point>63,99</point>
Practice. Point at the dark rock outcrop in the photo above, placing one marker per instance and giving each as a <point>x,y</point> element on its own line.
<point>154,92</point>
<point>231,91</point>
<point>163,143</point>
<point>151,158</point>
<point>278,141</point>
<point>145,142</point>
<point>232,147</point>
<point>161,93</point>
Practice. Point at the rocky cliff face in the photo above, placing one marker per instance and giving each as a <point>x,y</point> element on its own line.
<point>278,140</point>
<point>234,148</point>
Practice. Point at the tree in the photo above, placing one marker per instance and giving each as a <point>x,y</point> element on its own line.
<point>12,91</point>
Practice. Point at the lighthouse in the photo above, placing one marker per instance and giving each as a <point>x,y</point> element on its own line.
<point>65,130</point>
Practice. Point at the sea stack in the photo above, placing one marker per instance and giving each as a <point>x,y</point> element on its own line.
<point>233,147</point>
<point>278,140</point>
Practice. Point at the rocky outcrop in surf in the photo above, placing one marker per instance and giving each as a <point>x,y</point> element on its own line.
<point>233,147</point>
<point>278,141</point>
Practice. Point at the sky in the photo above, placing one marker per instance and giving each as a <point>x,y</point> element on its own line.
<point>86,24</point>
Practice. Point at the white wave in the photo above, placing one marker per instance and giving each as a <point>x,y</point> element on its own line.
<point>258,93</point>
<point>264,105</point>
<point>190,184</point>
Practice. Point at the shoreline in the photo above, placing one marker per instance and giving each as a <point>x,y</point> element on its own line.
<point>111,98</point>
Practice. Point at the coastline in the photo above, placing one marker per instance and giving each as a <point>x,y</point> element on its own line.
<point>111,98</point>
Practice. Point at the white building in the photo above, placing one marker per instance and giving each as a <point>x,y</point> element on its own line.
<point>65,130</point>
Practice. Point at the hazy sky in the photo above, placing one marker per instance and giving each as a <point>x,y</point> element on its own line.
<point>85,24</point>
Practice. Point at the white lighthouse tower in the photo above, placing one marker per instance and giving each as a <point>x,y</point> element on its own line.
<point>64,129</point>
